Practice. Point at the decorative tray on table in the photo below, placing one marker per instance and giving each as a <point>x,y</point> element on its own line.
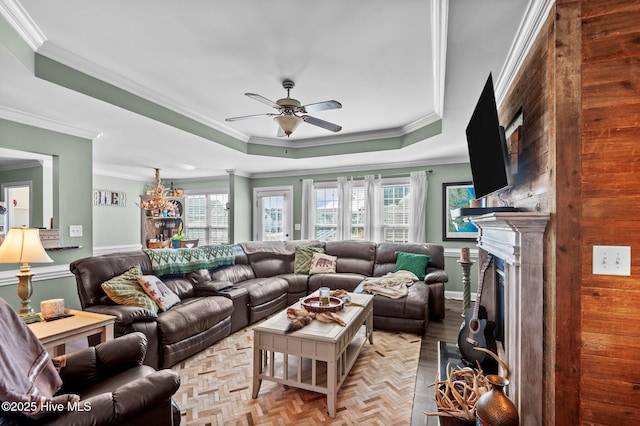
<point>313,304</point>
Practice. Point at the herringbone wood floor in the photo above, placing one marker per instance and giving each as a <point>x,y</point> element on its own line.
<point>388,385</point>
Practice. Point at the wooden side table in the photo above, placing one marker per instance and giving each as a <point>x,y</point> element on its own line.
<point>54,335</point>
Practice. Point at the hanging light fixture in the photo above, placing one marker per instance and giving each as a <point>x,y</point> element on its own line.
<point>158,197</point>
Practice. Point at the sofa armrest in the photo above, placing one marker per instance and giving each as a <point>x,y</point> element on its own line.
<point>87,366</point>
<point>436,276</point>
<point>124,314</point>
<point>211,288</point>
<point>145,393</point>
<point>94,411</point>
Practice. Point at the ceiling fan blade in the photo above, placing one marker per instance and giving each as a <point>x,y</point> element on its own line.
<point>321,123</point>
<point>264,100</point>
<point>246,117</point>
<point>319,106</point>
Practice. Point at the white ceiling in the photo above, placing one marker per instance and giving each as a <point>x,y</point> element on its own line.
<point>198,58</point>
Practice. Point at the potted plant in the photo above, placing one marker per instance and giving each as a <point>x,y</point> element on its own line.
<point>177,237</point>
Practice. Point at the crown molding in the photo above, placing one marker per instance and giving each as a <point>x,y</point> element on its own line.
<point>439,28</point>
<point>70,59</point>
<point>46,123</point>
<point>20,20</point>
<point>532,22</point>
<point>361,168</point>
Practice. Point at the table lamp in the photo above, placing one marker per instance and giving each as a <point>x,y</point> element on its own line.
<point>22,245</point>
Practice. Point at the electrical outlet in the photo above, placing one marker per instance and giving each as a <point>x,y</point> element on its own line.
<point>612,260</point>
<point>75,230</point>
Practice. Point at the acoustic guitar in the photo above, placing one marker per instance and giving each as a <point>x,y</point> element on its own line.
<point>476,331</point>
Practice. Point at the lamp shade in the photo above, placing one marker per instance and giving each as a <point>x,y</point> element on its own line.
<point>22,245</point>
<point>288,123</point>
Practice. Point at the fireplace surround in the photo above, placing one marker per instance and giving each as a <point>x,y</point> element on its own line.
<point>516,239</point>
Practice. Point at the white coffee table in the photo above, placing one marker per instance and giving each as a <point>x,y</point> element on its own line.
<point>317,357</point>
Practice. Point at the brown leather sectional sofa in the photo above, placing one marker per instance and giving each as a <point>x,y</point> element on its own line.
<point>261,282</point>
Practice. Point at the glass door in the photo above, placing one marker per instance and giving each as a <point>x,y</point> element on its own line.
<point>273,214</point>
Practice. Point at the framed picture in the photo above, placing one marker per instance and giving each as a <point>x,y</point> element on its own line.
<point>454,196</point>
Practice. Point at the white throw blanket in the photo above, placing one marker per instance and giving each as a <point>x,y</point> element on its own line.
<point>393,285</point>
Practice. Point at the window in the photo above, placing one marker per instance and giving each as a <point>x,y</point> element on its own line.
<point>326,205</point>
<point>207,218</point>
<point>391,204</point>
<point>396,208</point>
<point>357,212</point>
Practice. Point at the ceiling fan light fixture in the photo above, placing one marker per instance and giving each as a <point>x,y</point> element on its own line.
<point>288,123</point>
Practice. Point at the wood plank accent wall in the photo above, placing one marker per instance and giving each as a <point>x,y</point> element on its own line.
<point>580,160</point>
<point>610,361</point>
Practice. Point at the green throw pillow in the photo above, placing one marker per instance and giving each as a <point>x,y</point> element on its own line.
<point>303,258</point>
<point>412,262</point>
<point>125,290</point>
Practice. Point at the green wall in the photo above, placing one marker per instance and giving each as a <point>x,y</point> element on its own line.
<point>117,226</point>
<point>72,204</point>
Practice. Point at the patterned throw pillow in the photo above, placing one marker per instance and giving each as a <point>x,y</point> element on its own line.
<point>412,262</point>
<point>158,291</point>
<point>323,264</point>
<point>303,258</point>
<point>125,290</point>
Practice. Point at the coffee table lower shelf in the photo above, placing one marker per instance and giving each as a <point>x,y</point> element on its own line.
<point>313,358</point>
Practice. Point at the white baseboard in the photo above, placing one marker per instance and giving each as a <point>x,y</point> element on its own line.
<point>456,295</point>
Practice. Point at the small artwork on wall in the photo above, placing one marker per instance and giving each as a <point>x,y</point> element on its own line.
<point>457,195</point>
<point>103,197</point>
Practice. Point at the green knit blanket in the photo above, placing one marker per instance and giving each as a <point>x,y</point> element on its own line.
<point>183,260</point>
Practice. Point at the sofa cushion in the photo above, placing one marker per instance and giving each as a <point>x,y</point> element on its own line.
<point>386,255</point>
<point>158,291</point>
<point>303,258</point>
<point>322,264</point>
<point>192,316</point>
<point>344,281</point>
<point>412,262</point>
<point>297,283</point>
<point>125,290</point>
<point>353,256</point>
<point>264,290</point>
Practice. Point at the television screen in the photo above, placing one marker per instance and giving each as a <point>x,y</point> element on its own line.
<point>487,146</point>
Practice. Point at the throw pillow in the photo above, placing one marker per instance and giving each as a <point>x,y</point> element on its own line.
<point>125,290</point>
<point>323,264</point>
<point>158,291</point>
<point>302,262</point>
<point>412,262</point>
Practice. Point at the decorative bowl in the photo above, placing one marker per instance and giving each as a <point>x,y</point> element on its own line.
<point>312,304</point>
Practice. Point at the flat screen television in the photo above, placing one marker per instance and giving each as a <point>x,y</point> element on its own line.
<point>488,154</point>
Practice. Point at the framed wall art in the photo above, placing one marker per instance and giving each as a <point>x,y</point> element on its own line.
<point>457,195</point>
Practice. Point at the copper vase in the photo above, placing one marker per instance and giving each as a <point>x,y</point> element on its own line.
<point>494,408</point>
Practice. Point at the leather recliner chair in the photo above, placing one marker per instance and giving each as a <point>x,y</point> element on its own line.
<point>114,388</point>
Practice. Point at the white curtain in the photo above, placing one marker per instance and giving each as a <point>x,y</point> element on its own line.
<point>344,208</point>
<point>372,209</point>
<point>418,186</point>
<point>308,210</point>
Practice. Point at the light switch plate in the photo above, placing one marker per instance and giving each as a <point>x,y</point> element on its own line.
<point>612,260</point>
<point>75,230</point>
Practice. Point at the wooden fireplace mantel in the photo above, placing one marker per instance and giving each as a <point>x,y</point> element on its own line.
<point>517,239</point>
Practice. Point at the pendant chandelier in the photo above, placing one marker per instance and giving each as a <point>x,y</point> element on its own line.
<point>158,198</point>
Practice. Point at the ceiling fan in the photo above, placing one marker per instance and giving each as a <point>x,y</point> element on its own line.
<point>288,117</point>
